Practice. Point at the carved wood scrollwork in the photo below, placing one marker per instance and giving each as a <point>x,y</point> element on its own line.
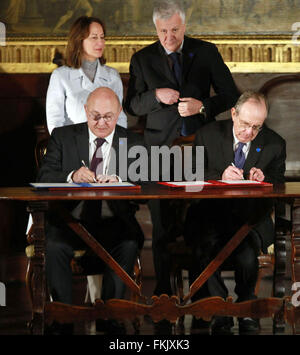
<point>165,307</point>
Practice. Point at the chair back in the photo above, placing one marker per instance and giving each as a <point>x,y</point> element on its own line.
<point>283,95</point>
<point>40,151</point>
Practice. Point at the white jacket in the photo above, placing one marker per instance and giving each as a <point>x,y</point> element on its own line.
<point>68,90</point>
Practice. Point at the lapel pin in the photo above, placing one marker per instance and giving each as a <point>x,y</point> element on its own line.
<point>258,150</point>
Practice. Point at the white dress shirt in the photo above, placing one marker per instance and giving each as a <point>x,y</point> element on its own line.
<point>179,50</point>
<point>106,153</point>
<point>68,90</point>
<point>105,148</point>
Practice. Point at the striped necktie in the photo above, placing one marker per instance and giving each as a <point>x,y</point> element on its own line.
<point>239,156</point>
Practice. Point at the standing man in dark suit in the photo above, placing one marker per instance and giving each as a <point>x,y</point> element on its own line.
<point>241,148</point>
<point>170,83</point>
<point>113,223</point>
<point>170,80</point>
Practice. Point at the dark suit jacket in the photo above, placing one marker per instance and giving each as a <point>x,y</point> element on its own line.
<point>203,69</point>
<point>67,147</point>
<point>267,152</point>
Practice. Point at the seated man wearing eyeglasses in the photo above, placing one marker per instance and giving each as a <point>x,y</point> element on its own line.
<point>241,148</point>
<point>82,153</point>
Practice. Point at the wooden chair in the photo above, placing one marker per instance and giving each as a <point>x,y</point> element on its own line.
<point>77,268</point>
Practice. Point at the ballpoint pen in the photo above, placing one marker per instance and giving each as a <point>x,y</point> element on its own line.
<point>235,167</point>
<point>83,163</point>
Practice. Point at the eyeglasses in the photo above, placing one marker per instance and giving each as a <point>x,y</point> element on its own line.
<point>244,126</point>
<point>97,117</point>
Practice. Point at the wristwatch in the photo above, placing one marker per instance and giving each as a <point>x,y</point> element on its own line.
<point>202,110</point>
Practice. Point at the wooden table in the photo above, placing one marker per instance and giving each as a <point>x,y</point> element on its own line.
<point>279,306</point>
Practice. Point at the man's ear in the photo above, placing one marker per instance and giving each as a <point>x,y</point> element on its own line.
<point>120,110</point>
<point>233,113</point>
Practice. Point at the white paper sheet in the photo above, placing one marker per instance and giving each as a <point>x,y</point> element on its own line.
<point>233,182</point>
<point>41,185</point>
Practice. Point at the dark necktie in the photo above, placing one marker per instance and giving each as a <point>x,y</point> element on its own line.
<point>239,156</point>
<point>97,160</point>
<point>91,210</point>
<point>176,66</point>
<point>178,75</point>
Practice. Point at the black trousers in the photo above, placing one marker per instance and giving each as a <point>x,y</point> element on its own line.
<point>161,257</point>
<point>61,243</point>
<point>209,225</point>
<point>167,224</point>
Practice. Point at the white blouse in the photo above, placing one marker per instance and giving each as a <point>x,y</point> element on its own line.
<point>68,90</point>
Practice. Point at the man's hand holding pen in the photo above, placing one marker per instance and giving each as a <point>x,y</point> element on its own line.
<point>233,173</point>
<point>84,174</point>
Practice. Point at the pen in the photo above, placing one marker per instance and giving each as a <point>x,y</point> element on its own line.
<point>83,163</point>
<point>235,167</point>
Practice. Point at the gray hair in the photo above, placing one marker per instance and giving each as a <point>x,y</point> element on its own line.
<point>250,95</point>
<point>165,9</point>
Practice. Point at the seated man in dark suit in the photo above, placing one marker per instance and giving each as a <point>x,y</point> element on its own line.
<point>113,223</point>
<point>241,148</point>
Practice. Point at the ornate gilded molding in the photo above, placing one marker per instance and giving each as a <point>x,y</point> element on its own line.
<point>246,54</point>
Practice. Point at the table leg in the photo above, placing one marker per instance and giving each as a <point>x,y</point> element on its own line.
<point>37,209</point>
<point>99,250</point>
<point>279,275</point>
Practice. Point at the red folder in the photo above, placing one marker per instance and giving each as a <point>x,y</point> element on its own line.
<point>217,184</point>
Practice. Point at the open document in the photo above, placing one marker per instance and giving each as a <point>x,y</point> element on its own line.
<point>246,183</point>
<point>185,183</point>
<point>216,183</point>
<point>85,185</point>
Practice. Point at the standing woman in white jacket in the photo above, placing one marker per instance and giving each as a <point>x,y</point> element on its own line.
<point>83,72</point>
